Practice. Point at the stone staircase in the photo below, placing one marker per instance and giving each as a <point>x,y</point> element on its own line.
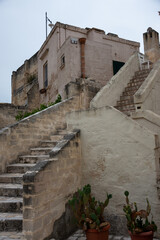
<point>11,187</point>
<point>126,102</point>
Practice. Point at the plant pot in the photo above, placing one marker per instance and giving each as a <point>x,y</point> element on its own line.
<point>93,234</point>
<point>141,236</point>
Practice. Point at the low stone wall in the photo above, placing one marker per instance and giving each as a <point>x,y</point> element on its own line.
<point>148,119</point>
<point>8,112</point>
<point>48,186</point>
<point>111,92</point>
<point>18,138</point>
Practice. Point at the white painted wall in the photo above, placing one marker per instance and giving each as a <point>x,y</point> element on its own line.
<point>118,154</point>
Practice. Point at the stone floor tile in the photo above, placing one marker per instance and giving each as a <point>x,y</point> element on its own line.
<point>72,238</point>
<point>117,238</point>
<point>80,231</point>
<point>110,237</point>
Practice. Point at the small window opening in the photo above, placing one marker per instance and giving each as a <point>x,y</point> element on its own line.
<point>62,61</point>
<point>139,107</point>
<point>45,75</point>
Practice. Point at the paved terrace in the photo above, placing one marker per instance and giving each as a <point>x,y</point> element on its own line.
<point>79,235</point>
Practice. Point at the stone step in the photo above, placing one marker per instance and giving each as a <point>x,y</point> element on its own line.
<point>11,178</point>
<point>141,76</point>
<point>131,98</point>
<point>124,102</point>
<point>11,204</point>
<point>62,132</point>
<point>56,137</point>
<point>11,222</point>
<point>40,151</point>
<point>142,72</point>
<point>130,89</point>
<point>11,235</point>
<point>32,158</point>
<point>133,84</point>
<point>19,167</point>
<point>137,79</point>
<point>126,108</point>
<point>130,93</point>
<point>11,190</point>
<point>48,143</point>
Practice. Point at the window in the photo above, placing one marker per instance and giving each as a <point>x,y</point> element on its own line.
<point>45,75</point>
<point>62,61</point>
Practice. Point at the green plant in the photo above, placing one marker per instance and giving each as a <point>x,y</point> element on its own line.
<point>87,211</point>
<point>20,115</point>
<point>31,77</point>
<point>137,221</point>
<point>59,99</point>
<point>43,106</point>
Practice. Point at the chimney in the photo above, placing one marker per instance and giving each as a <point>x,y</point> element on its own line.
<point>151,45</point>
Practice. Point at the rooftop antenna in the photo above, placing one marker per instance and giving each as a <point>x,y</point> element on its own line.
<point>51,25</point>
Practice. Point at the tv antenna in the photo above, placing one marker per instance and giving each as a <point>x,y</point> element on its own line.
<point>51,25</point>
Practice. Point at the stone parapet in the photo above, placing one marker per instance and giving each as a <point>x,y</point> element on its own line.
<point>19,137</point>
<point>8,112</point>
<point>148,84</point>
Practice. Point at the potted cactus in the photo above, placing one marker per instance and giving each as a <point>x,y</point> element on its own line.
<point>138,224</point>
<point>89,213</point>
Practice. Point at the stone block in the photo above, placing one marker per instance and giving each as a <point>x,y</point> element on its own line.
<point>32,225</point>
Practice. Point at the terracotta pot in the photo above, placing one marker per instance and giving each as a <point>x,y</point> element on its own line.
<point>93,234</point>
<point>142,236</point>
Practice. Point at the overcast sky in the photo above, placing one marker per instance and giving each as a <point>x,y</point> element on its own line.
<point>22,26</point>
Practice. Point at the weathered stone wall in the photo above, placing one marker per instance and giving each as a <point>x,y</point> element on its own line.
<point>100,51</point>
<point>8,113</point>
<point>48,186</point>
<point>33,96</point>
<point>51,52</point>
<point>86,89</point>
<point>117,155</point>
<point>151,45</point>
<point>23,80</point>
<point>18,138</point>
<point>111,92</point>
<point>147,96</point>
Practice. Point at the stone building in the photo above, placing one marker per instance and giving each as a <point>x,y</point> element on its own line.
<point>104,134</point>
<point>67,54</point>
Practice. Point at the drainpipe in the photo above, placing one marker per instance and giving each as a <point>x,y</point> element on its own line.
<point>82,43</point>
